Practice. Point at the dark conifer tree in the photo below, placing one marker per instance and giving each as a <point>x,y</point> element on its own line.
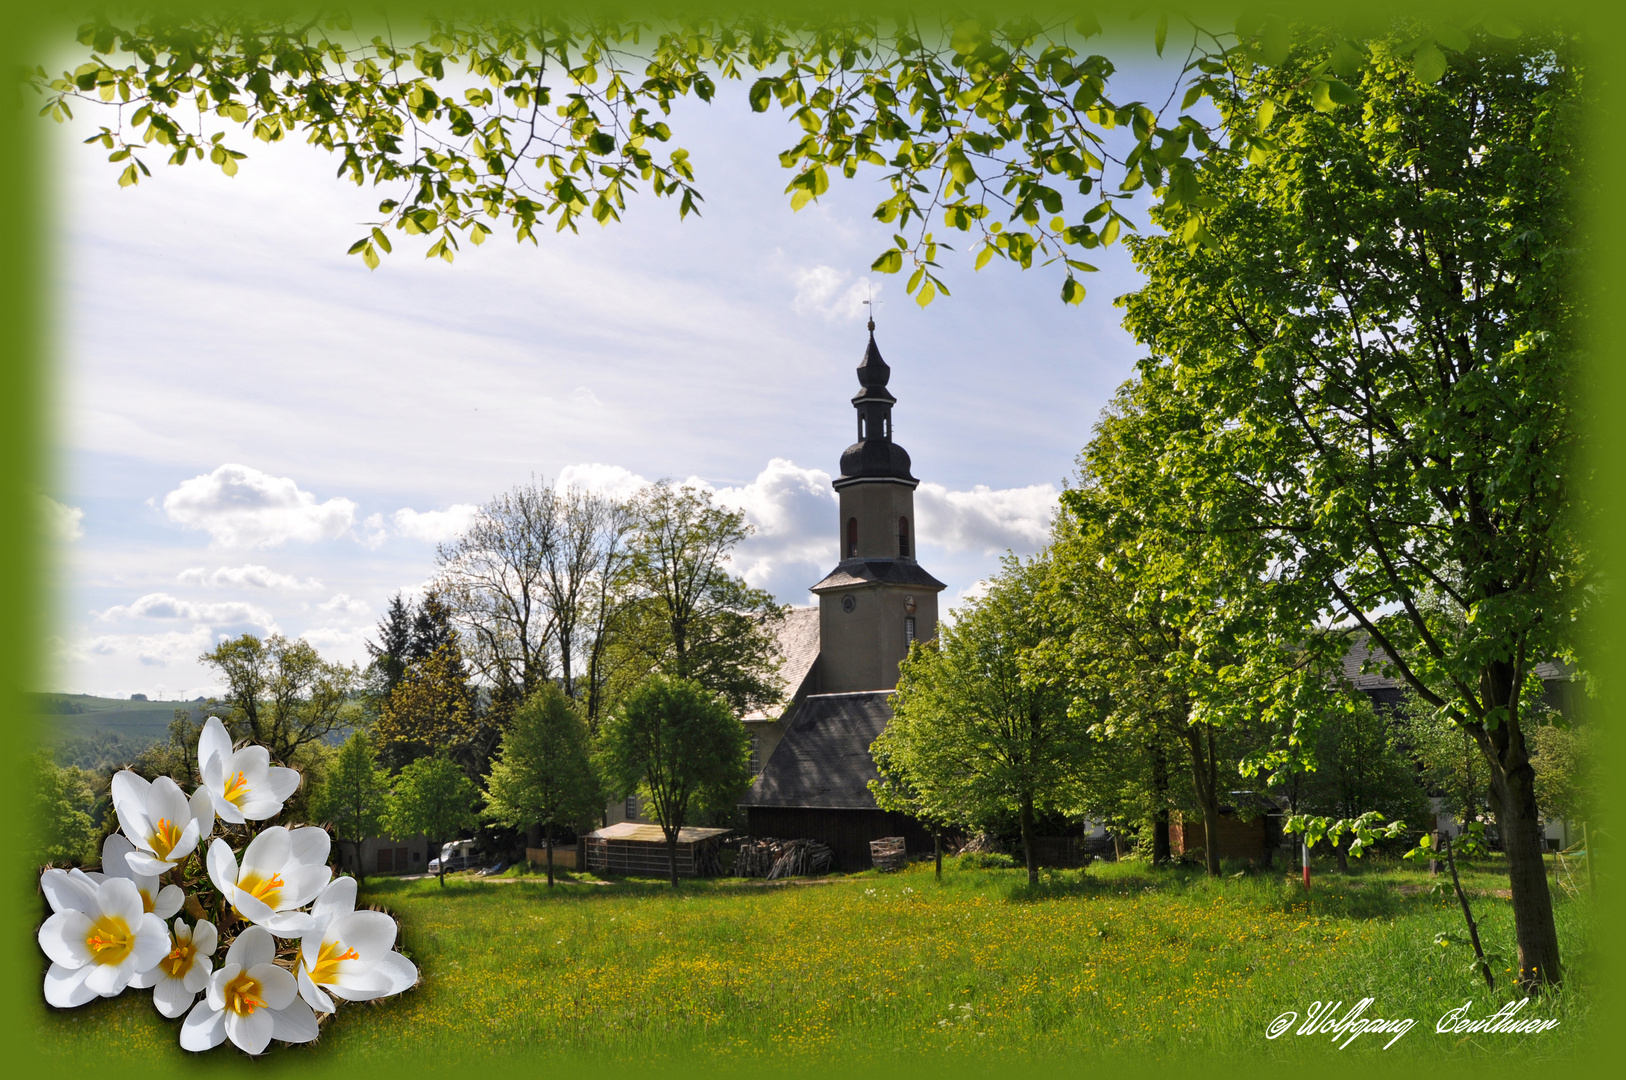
<point>392,650</point>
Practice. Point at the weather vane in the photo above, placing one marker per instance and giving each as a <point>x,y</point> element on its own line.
<point>871,303</point>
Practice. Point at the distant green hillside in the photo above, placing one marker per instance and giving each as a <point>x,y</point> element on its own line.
<point>65,716</point>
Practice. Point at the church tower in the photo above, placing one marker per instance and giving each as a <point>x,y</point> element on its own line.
<point>877,600</point>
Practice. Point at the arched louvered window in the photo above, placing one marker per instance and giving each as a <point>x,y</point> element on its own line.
<point>903,538</point>
<point>852,538</point>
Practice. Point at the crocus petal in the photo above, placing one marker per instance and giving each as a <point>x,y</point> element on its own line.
<point>403,973</point>
<point>213,740</point>
<point>205,1028</point>
<point>172,997</point>
<point>198,978</point>
<point>302,884</point>
<point>65,987</point>
<point>360,985</point>
<point>277,987</point>
<point>268,852</point>
<point>203,812</point>
<point>370,933</point>
<point>152,943</point>
<point>282,783</point>
<point>338,898</point>
<point>62,938</point>
<point>313,994</point>
<point>107,980</point>
<point>254,762</point>
<point>118,898</point>
<point>216,994</point>
<point>168,901</point>
<point>253,947</point>
<point>251,1033</point>
<point>145,864</point>
<point>147,979</point>
<point>258,805</point>
<point>290,923</point>
<point>205,938</point>
<point>295,1024</point>
<point>250,907</point>
<point>309,845</point>
<point>69,892</point>
<point>222,866</point>
<point>114,849</point>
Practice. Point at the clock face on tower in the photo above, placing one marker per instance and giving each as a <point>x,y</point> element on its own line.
<point>849,602</point>
<point>908,605</point>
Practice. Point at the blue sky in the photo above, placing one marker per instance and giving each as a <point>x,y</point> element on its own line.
<point>257,434</point>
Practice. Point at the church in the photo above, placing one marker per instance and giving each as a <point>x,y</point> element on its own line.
<point>840,658</point>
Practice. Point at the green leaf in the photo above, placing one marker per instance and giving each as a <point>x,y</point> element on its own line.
<point>890,262</point>
<point>1109,231</point>
<point>984,255</point>
<point>128,176</point>
<point>1087,25</point>
<point>1499,26</point>
<point>370,257</point>
<point>1428,63</point>
<point>926,294</point>
<point>384,241</point>
<point>1266,113</point>
<point>802,197</point>
<point>761,94</point>
<point>1159,36</point>
<point>1071,291</point>
<point>914,279</point>
<point>1451,38</point>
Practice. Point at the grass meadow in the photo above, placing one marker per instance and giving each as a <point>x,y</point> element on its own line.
<point>897,968</point>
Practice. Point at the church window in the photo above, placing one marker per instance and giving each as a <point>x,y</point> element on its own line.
<point>903,538</point>
<point>852,538</point>
<point>909,631</point>
<point>860,426</point>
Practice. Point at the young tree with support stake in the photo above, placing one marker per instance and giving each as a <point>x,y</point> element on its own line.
<point>543,774</point>
<point>1376,322</point>
<point>354,796</point>
<point>432,796</point>
<point>682,748</point>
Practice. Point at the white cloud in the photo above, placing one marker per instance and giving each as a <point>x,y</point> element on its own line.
<point>435,526</point>
<point>792,511</point>
<point>339,643</point>
<point>611,480</point>
<point>819,292</point>
<point>165,606</point>
<point>64,524</point>
<point>984,519</point>
<point>248,575</point>
<point>149,650</point>
<point>346,606</point>
<point>239,506</point>
<point>584,396</point>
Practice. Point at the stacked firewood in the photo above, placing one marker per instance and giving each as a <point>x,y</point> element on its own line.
<point>887,853</point>
<point>773,859</point>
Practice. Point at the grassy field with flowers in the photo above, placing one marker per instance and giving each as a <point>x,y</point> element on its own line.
<point>898,967</point>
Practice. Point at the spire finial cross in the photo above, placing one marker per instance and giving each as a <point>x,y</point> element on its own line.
<point>872,304</point>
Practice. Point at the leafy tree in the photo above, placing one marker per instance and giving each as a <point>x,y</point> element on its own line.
<point>1360,766</point>
<point>992,125</point>
<point>544,774</point>
<point>392,650</point>
<point>1563,761</point>
<point>431,711</point>
<point>689,617</point>
<point>679,745</point>
<point>64,803</point>
<point>979,730</point>
<point>353,796</point>
<point>1450,766</point>
<point>281,693</point>
<point>177,756</point>
<point>1379,340</point>
<point>431,796</point>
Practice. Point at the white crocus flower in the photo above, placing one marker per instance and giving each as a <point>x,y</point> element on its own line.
<point>250,1001</point>
<point>160,822</point>
<point>99,937</point>
<point>179,976</point>
<point>161,902</point>
<point>243,785</point>
<point>348,952</point>
<point>282,869</point>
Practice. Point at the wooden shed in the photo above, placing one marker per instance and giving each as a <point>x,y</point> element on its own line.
<point>638,849</point>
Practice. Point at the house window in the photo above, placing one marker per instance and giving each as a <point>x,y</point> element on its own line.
<point>908,631</point>
<point>852,538</point>
<point>903,538</point>
<point>756,753</point>
<point>417,856</point>
<point>632,808</point>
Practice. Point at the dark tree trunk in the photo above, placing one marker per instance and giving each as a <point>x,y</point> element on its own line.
<point>1205,777</point>
<point>1027,840</point>
<point>937,853</point>
<point>1340,850</point>
<point>671,854</point>
<point>1520,825</point>
<point>442,864</point>
<point>1161,852</point>
<point>361,870</point>
<point>549,840</point>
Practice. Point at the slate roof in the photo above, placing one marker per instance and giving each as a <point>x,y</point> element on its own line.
<point>797,640</point>
<point>857,572</point>
<point>1362,654</point>
<point>823,761</point>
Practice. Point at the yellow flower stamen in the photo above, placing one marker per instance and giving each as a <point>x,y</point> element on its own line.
<point>265,890</point>
<point>110,940</point>
<point>236,789</point>
<point>243,995</point>
<point>165,835</point>
<point>180,958</point>
<point>328,959</point>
